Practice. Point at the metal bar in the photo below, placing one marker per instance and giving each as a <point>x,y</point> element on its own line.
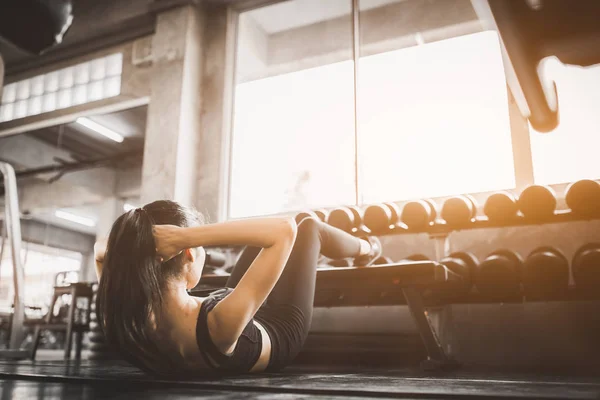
<point>13,227</point>
<point>416,306</point>
<point>356,58</point>
<point>76,166</point>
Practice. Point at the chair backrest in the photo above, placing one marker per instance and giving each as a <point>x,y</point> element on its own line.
<point>65,278</point>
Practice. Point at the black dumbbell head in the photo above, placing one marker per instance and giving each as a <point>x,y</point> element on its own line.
<point>546,272</point>
<point>378,217</point>
<point>459,210</point>
<point>344,262</point>
<point>305,214</point>
<point>537,202</point>
<point>499,274</point>
<point>322,214</point>
<point>418,214</point>
<point>462,264</point>
<point>583,197</point>
<point>416,257</point>
<point>383,261</point>
<point>342,218</point>
<point>501,206</point>
<point>586,267</point>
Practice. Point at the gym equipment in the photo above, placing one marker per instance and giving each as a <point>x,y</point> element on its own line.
<point>586,267</point>
<point>463,264</point>
<point>348,219</point>
<point>545,272</point>
<point>537,202</point>
<point>322,214</point>
<point>215,258</point>
<point>99,349</point>
<point>340,286</point>
<point>419,214</point>
<point>382,260</point>
<point>416,257</point>
<point>72,325</point>
<point>305,214</point>
<point>459,210</point>
<point>13,227</point>
<point>499,274</point>
<point>342,263</point>
<point>583,198</point>
<point>380,217</point>
<point>500,207</point>
<point>35,25</point>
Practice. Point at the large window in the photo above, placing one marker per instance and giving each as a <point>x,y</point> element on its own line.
<point>569,152</point>
<point>431,102</point>
<point>41,265</point>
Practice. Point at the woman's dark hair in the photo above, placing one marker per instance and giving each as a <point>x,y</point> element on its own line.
<point>130,292</point>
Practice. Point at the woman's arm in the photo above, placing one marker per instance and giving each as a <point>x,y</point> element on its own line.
<point>275,235</point>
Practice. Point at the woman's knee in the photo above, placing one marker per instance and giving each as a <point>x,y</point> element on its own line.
<point>309,227</point>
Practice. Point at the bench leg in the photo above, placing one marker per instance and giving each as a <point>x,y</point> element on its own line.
<point>436,356</point>
<point>38,329</point>
<point>70,320</point>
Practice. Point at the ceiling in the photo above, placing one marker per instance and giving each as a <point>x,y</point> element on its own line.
<point>293,14</point>
<point>84,144</point>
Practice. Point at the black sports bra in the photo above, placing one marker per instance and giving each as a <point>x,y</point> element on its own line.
<point>247,350</point>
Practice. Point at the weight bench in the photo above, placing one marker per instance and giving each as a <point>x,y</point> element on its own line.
<point>410,279</point>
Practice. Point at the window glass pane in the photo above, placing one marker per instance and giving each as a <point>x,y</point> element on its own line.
<point>41,265</point>
<point>433,103</point>
<point>293,122</point>
<point>570,152</point>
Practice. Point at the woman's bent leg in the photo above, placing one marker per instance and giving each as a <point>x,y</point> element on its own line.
<point>290,305</point>
<point>242,264</point>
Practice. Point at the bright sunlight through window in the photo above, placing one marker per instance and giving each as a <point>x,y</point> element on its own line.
<point>569,153</point>
<point>433,121</point>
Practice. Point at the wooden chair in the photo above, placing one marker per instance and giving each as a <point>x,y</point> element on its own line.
<point>71,325</point>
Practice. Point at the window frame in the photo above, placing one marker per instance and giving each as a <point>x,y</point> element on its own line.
<point>519,126</point>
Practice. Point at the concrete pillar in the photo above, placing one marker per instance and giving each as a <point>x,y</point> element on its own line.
<point>174,112</point>
<point>108,211</point>
<point>217,94</point>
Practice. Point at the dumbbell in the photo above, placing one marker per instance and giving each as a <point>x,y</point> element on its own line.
<point>305,214</point>
<point>416,257</point>
<point>537,202</point>
<point>545,272</point>
<point>463,264</point>
<point>459,210</point>
<point>501,206</point>
<point>322,214</point>
<point>583,198</point>
<point>215,258</point>
<point>586,267</point>
<point>345,218</point>
<point>379,217</point>
<point>499,274</point>
<point>383,261</point>
<point>419,214</point>
<point>341,263</point>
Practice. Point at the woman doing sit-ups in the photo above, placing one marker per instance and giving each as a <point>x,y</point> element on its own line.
<point>154,255</point>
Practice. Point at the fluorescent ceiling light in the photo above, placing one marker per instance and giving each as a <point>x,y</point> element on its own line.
<point>128,207</point>
<point>100,129</point>
<point>75,218</point>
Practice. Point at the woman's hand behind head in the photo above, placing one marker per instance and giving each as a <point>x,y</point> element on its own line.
<point>168,241</point>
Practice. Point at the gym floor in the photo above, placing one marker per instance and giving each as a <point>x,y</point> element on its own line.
<point>51,378</point>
